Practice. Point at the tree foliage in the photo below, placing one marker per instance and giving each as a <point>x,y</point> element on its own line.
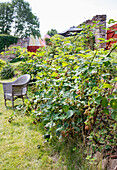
<point>52,32</point>
<point>6,17</point>
<point>26,22</point>
<point>18,16</point>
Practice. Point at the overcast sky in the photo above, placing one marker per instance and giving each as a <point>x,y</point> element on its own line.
<point>62,14</point>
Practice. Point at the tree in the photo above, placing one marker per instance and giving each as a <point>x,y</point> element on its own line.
<point>52,32</point>
<point>6,18</point>
<point>26,22</point>
<point>18,15</point>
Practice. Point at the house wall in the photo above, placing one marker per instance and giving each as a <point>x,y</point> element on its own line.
<point>111,33</point>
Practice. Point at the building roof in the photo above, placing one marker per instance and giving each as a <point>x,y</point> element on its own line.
<point>71,31</point>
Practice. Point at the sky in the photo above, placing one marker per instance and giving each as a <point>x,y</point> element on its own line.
<point>63,14</point>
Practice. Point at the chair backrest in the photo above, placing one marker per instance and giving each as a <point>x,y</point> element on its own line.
<point>24,79</point>
<point>19,86</point>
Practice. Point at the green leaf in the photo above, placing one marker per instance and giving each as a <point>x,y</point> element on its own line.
<point>111,21</point>
<point>110,96</point>
<point>98,99</point>
<point>77,129</point>
<point>92,110</point>
<point>73,124</point>
<point>106,111</point>
<point>106,74</point>
<point>70,113</point>
<point>113,103</point>
<point>88,157</point>
<point>66,125</point>
<point>104,102</point>
<point>65,108</point>
<point>107,147</point>
<point>107,63</point>
<point>62,117</point>
<point>74,149</point>
<point>114,114</point>
<point>101,39</point>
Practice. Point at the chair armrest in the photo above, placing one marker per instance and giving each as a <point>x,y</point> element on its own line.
<point>19,84</point>
<point>7,83</point>
<point>7,87</point>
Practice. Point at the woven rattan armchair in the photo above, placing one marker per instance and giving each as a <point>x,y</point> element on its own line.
<point>16,89</point>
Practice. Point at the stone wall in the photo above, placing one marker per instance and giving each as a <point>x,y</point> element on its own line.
<point>23,43</point>
<point>99,32</point>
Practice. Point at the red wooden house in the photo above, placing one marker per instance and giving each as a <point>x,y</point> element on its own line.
<point>112,33</point>
<point>34,44</point>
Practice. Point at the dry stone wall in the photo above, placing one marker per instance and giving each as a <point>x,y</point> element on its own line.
<point>99,32</point>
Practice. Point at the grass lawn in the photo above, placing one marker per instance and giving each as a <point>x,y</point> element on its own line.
<point>19,140</point>
<point>22,144</point>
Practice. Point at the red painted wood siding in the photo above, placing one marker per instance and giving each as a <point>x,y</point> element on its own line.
<point>111,34</point>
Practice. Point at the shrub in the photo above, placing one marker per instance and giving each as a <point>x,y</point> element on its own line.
<point>18,52</point>
<point>47,40</point>
<point>2,63</point>
<point>7,71</point>
<point>76,94</point>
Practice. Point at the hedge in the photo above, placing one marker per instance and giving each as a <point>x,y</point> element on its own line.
<point>7,40</point>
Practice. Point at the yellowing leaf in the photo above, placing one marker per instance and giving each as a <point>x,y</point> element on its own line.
<point>107,86</point>
<point>54,74</point>
<point>74,77</point>
<point>64,64</point>
<point>76,67</point>
<point>37,77</point>
<point>55,56</point>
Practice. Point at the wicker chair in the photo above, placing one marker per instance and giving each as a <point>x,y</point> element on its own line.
<point>16,89</point>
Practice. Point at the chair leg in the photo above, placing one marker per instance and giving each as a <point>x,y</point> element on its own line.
<point>23,100</point>
<point>12,103</point>
<point>27,97</point>
<point>5,102</point>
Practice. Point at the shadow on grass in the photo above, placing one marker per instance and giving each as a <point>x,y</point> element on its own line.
<point>9,108</point>
<point>16,124</point>
<point>32,126</point>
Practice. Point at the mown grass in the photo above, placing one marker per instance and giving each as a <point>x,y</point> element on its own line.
<point>22,144</point>
<point>19,140</point>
